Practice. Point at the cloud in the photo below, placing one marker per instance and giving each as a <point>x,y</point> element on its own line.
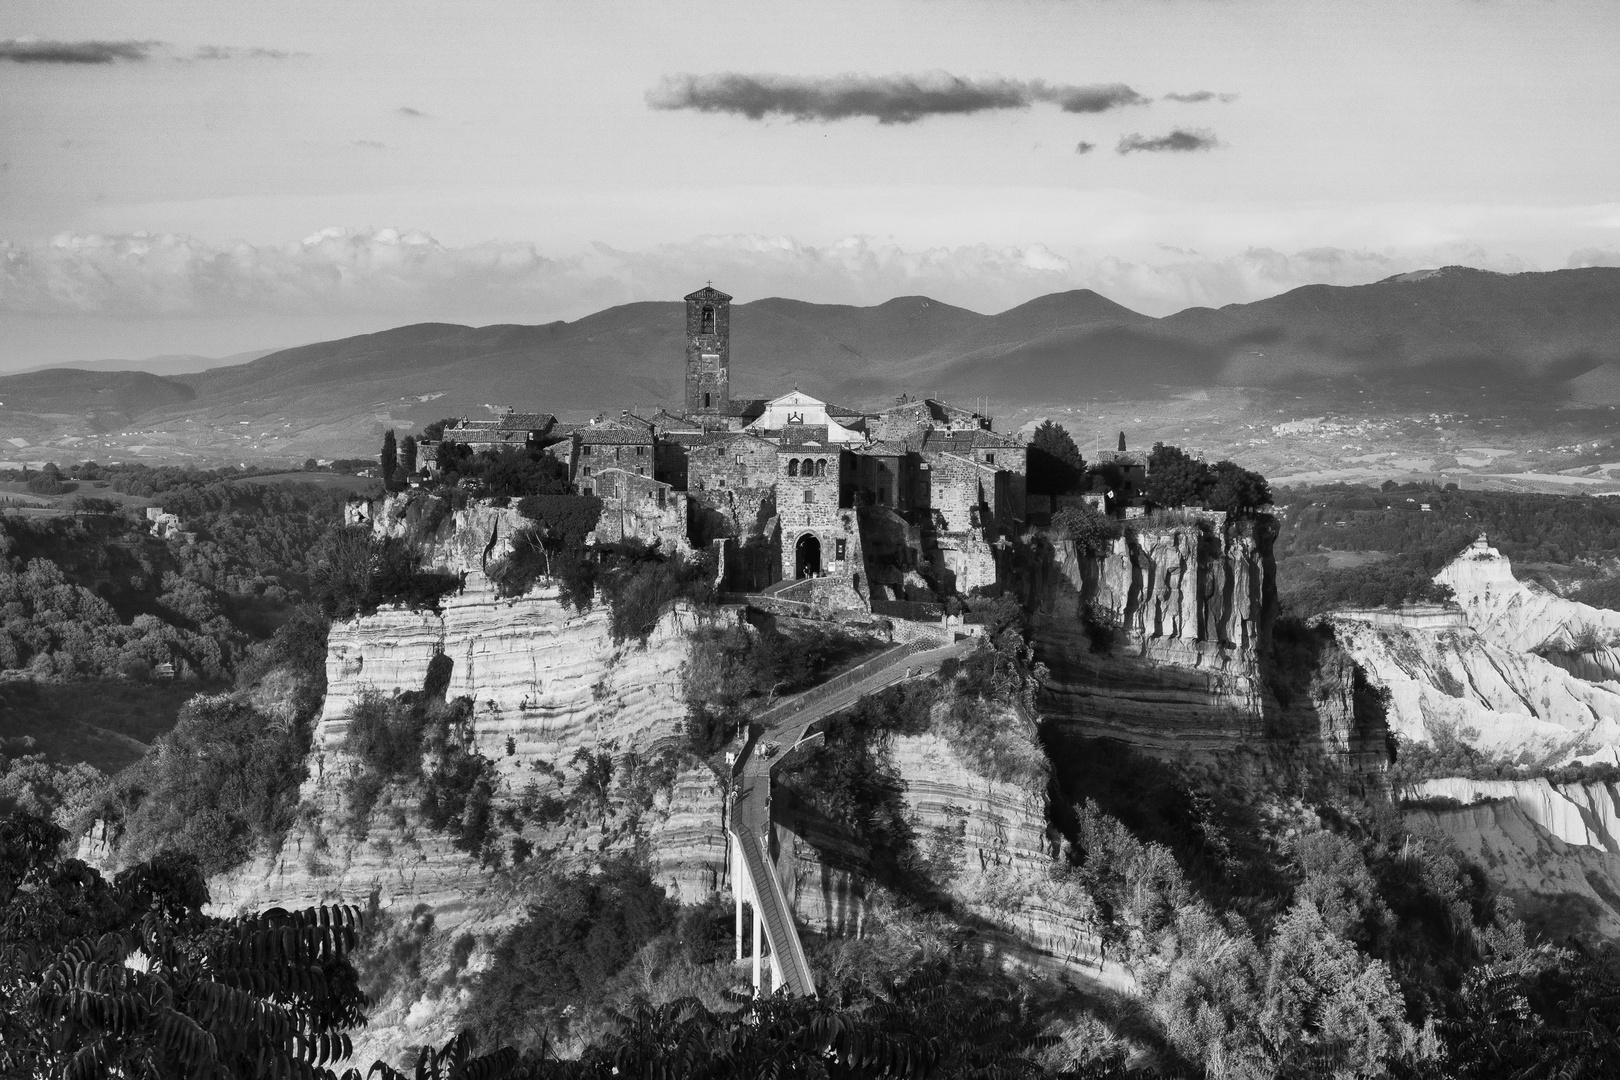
<point>38,51</point>
<point>1179,140</point>
<point>1592,256</point>
<point>1089,99</point>
<point>228,52</point>
<point>394,275</point>
<point>406,110</point>
<point>890,99</point>
<point>1196,96</point>
<point>1084,147</point>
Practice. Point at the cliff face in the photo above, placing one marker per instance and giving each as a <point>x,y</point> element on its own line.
<point>1454,681</point>
<point>1164,641</point>
<point>1467,671</point>
<point>545,682</point>
<point>1555,849</point>
<point>1513,615</point>
<point>982,842</point>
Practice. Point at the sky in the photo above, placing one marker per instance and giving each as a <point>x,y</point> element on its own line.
<point>215,177</point>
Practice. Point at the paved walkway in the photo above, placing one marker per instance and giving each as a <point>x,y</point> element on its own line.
<point>784,725</point>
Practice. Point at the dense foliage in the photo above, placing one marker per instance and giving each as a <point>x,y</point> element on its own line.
<point>223,783</point>
<point>1566,542</point>
<point>1092,531</point>
<point>1175,478</point>
<point>733,672</point>
<point>359,572</point>
<point>128,978</point>
<point>511,473</point>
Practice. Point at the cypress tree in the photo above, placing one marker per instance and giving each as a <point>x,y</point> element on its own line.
<point>407,455</point>
<point>390,456</point>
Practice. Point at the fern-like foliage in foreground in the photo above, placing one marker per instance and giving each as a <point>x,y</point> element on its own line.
<point>130,979</point>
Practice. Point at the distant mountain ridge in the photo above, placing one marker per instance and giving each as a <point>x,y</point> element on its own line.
<point>1554,334</point>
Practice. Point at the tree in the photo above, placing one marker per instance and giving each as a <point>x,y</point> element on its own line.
<point>1055,464</point>
<point>1122,442</point>
<point>310,464</point>
<point>128,978</point>
<point>1175,478</point>
<point>407,456</point>
<point>389,457</point>
<point>1234,489</point>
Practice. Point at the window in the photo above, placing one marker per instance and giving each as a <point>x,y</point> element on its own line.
<point>707,326</point>
<point>821,466</point>
<point>839,549</point>
<point>809,496</point>
<point>641,470</point>
<point>585,451</point>
<point>989,459</point>
<point>587,470</point>
<point>706,401</point>
<point>641,451</point>
<point>793,466</point>
<point>739,459</point>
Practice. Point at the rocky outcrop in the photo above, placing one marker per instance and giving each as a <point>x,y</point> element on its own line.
<point>1164,641</point>
<point>1456,683</point>
<point>1482,670</point>
<point>1517,616</point>
<point>1553,849</point>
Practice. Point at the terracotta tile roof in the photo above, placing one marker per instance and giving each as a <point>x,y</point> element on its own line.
<point>613,435</point>
<point>804,435</point>
<point>956,442</point>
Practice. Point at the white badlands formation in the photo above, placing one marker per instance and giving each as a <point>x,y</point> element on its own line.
<point>1474,677</point>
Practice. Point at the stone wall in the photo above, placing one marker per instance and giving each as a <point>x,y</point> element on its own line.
<point>733,477</point>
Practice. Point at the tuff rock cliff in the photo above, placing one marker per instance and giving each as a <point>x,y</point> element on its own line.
<point>1165,640</point>
<point>545,682</point>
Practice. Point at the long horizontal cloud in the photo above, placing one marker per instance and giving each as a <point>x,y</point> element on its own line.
<point>35,51</point>
<point>890,99</point>
<point>1196,96</point>
<point>1179,140</point>
<point>398,276</point>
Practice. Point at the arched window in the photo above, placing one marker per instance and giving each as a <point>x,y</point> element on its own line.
<point>708,319</point>
<point>793,466</point>
<point>821,466</point>
<point>809,495</point>
<point>808,468</point>
<point>706,401</point>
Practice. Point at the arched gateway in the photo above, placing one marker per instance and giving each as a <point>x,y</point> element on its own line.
<point>807,556</point>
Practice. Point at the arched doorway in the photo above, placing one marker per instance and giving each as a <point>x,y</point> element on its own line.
<point>807,557</point>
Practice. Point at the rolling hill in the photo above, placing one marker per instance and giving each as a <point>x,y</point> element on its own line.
<point>1554,337</point>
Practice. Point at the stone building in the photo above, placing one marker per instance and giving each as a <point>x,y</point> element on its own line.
<point>814,504</point>
<point>510,430</point>
<point>637,507</point>
<point>609,444</point>
<point>925,414</point>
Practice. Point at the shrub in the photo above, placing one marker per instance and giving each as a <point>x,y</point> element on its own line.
<point>1093,532</point>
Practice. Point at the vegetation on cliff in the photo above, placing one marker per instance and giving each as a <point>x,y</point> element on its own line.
<point>1345,545</point>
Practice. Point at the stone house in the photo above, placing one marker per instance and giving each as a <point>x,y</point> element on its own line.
<point>637,507</point>
<point>925,414</point>
<point>509,431</point>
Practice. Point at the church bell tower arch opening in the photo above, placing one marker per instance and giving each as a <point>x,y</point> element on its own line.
<point>708,353</point>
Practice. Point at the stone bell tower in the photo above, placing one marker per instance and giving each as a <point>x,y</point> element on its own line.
<point>708,353</point>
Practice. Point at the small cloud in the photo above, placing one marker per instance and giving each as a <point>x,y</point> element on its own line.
<point>406,110</point>
<point>889,99</point>
<point>227,52</point>
<point>1091,99</point>
<point>1084,147</point>
<point>370,144</point>
<point>1196,96</point>
<point>1179,140</point>
<point>38,51</point>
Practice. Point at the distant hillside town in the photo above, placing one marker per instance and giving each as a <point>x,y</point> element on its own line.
<point>846,508</point>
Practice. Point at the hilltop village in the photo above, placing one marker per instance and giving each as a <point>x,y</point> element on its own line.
<point>832,506</point>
